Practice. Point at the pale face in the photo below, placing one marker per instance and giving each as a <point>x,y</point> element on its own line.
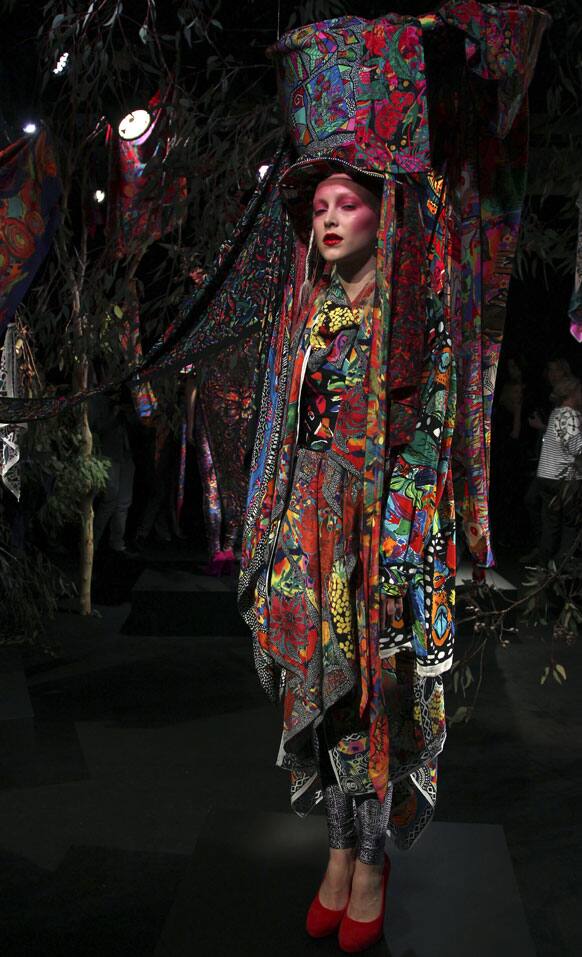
<point>345,220</point>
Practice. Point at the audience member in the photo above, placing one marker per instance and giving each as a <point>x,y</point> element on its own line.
<point>108,417</point>
<point>157,513</point>
<point>559,471</point>
<point>555,370</point>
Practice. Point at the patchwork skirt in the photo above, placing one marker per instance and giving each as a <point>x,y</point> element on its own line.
<point>316,598</point>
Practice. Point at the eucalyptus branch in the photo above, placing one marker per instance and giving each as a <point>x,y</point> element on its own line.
<point>553,576</point>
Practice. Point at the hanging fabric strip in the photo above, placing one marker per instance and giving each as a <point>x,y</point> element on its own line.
<point>144,200</point>
<point>29,194</point>
<point>242,291</point>
<point>9,434</point>
<point>575,309</point>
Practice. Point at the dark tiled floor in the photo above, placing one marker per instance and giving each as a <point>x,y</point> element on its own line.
<point>457,878</point>
<point>138,739</point>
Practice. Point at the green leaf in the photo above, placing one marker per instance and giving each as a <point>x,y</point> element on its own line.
<point>118,10</point>
<point>461,714</point>
<point>467,679</point>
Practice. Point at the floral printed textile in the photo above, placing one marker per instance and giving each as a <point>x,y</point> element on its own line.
<point>357,90</point>
<point>391,118</point>
<point>336,359</point>
<point>315,586</point>
<point>224,403</point>
<point>317,591</point>
<point>29,193</point>
<point>143,205</point>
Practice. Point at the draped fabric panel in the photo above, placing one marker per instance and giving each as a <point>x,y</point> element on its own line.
<point>241,296</point>
<point>29,215</point>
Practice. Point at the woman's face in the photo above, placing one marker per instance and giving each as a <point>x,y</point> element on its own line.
<point>345,220</point>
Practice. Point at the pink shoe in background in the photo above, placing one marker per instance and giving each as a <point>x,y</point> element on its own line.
<point>221,563</point>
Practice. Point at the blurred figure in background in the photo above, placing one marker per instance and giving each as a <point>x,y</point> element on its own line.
<point>109,418</point>
<point>555,371</point>
<point>559,471</point>
<point>509,474</point>
<point>157,516</point>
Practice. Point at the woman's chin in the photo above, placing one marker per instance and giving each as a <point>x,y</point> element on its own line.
<point>330,254</point>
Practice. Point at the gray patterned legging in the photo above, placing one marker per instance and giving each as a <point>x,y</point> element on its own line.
<point>359,822</point>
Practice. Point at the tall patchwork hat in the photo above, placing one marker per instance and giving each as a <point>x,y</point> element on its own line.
<point>353,96</point>
<point>354,92</point>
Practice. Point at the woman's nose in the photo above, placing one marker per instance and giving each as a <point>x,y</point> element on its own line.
<point>330,218</point>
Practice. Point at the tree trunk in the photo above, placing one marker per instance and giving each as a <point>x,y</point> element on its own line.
<point>80,384</point>
<point>86,543</point>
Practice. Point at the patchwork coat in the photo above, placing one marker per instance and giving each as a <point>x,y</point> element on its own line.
<point>436,107</point>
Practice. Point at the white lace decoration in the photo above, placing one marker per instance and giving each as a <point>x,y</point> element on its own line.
<point>9,434</point>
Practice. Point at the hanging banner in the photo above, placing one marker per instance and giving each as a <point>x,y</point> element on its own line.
<point>575,309</point>
<point>29,214</point>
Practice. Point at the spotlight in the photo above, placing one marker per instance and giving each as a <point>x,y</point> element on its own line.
<point>61,64</point>
<point>134,124</point>
<point>99,196</point>
<point>29,128</point>
<point>263,170</point>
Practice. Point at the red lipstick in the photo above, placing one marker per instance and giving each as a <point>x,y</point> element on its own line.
<point>332,239</point>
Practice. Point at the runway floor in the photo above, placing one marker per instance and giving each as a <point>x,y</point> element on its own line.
<point>141,814</point>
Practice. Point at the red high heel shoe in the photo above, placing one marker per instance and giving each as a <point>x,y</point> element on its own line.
<point>357,935</point>
<point>321,921</point>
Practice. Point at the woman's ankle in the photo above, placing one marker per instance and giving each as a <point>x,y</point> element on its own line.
<point>342,856</point>
<point>368,874</point>
<point>341,862</point>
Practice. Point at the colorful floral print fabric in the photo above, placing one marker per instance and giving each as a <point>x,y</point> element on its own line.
<point>145,202</point>
<point>224,403</point>
<point>29,193</point>
<point>332,367</point>
<point>317,592</point>
<point>315,589</point>
<point>392,110</point>
<point>357,90</point>
<point>211,509</point>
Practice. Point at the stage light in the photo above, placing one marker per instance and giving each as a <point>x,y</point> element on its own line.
<point>263,170</point>
<point>134,124</point>
<point>99,196</point>
<point>61,64</point>
<point>29,128</point>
